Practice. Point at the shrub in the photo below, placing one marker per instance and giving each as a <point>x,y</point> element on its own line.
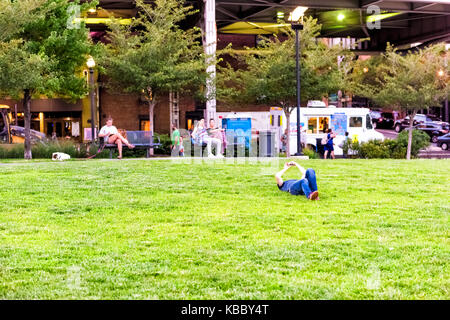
<point>308,151</point>
<point>392,148</point>
<point>166,142</point>
<point>45,150</point>
<point>420,140</point>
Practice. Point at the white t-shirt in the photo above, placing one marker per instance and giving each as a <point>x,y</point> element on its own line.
<point>108,130</point>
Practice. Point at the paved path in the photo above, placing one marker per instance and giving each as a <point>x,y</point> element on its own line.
<point>434,152</point>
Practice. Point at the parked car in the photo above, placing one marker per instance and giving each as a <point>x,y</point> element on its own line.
<point>382,119</point>
<point>433,129</point>
<point>444,141</point>
<point>401,124</point>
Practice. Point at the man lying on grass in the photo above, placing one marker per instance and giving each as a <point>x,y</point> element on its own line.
<point>307,185</point>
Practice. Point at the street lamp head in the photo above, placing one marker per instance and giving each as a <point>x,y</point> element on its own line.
<point>297,14</point>
<point>90,63</point>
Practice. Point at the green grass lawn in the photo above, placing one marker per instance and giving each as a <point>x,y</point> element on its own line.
<point>140,229</point>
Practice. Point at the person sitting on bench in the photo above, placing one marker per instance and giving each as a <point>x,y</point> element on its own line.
<point>111,135</point>
<point>216,132</point>
<point>306,186</point>
<point>200,136</point>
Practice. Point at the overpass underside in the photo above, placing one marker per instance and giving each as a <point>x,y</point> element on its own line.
<point>399,22</point>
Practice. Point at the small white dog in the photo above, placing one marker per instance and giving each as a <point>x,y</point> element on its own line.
<point>60,156</point>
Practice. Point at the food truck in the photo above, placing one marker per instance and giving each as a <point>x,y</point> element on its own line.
<point>314,122</point>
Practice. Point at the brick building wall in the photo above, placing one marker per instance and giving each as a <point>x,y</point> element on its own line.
<point>123,108</point>
<point>128,110</point>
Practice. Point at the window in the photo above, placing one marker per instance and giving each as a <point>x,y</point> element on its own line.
<point>355,122</point>
<point>324,124</point>
<point>312,125</point>
<point>318,124</point>
<point>144,125</point>
<point>368,122</point>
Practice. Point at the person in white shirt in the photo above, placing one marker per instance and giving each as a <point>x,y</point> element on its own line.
<point>111,135</point>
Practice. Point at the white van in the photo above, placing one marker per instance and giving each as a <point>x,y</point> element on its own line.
<point>316,121</point>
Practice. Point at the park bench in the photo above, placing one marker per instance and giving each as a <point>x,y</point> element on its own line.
<point>140,139</point>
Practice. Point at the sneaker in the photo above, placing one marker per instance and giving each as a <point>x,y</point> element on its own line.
<point>211,156</point>
<point>220,156</point>
<point>314,195</point>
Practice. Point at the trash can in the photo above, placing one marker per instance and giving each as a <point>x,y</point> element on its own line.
<point>319,146</point>
<point>267,143</point>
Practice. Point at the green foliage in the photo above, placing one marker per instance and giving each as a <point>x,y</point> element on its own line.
<point>45,150</point>
<point>404,82</point>
<point>311,153</point>
<point>44,55</point>
<point>394,149</point>
<point>268,73</point>
<point>420,140</point>
<point>408,82</point>
<point>166,143</point>
<point>15,14</point>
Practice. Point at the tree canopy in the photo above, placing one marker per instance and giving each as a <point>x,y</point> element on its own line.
<point>41,55</point>
<point>153,56</point>
<point>409,81</point>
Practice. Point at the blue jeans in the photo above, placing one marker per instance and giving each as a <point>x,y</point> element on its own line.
<point>305,186</point>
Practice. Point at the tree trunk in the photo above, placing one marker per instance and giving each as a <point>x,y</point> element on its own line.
<point>288,122</point>
<point>27,118</point>
<point>410,135</point>
<point>151,109</point>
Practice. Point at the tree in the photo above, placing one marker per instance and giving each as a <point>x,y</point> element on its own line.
<point>408,82</point>
<point>42,55</point>
<point>14,14</point>
<point>153,56</point>
<point>267,74</point>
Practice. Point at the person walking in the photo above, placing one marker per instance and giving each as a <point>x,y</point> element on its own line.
<point>329,146</point>
<point>177,142</point>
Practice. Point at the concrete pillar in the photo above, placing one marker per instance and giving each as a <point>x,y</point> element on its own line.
<point>209,46</point>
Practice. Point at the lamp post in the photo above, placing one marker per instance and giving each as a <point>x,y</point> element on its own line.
<point>91,64</point>
<point>296,18</point>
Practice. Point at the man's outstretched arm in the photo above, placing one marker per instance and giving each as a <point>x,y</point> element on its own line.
<point>278,175</point>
